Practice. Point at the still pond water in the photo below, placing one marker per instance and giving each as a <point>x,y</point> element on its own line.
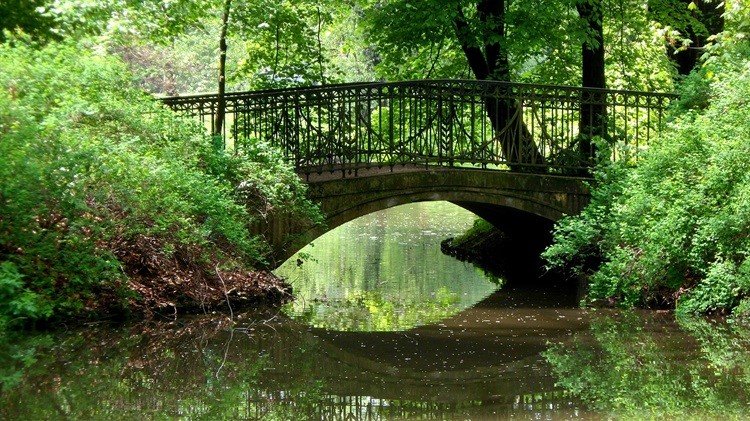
<point>387,327</point>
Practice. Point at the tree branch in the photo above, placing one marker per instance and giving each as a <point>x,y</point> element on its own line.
<point>219,123</point>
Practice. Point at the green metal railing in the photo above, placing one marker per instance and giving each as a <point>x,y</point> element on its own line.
<point>484,124</point>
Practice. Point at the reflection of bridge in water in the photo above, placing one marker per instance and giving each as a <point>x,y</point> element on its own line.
<point>482,362</point>
<point>488,356</point>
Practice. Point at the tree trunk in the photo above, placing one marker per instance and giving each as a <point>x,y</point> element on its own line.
<point>593,113</point>
<point>320,49</point>
<point>711,15</point>
<point>490,62</point>
<point>221,106</point>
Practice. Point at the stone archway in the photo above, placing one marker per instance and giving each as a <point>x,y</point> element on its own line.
<point>500,197</point>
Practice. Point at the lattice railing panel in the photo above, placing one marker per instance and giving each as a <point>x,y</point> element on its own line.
<point>436,122</point>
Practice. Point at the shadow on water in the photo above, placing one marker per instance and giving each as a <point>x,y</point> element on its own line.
<point>518,351</point>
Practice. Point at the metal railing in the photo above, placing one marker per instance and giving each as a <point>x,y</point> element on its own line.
<point>484,124</point>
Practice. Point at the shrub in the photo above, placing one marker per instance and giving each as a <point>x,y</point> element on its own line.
<point>99,185</point>
<point>676,227</point>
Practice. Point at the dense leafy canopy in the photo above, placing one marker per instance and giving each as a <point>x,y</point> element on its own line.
<point>26,16</point>
<point>281,43</point>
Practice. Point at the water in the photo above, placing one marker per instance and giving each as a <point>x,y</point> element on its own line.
<point>398,331</point>
<point>385,271</point>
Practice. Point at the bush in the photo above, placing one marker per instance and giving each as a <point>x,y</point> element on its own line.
<point>676,227</point>
<point>100,185</point>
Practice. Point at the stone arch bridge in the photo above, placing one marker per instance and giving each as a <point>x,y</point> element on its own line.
<point>515,154</point>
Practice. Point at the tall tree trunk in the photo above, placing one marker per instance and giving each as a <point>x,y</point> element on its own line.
<point>221,107</point>
<point>490,62</point>
<point>711,15</point>
<point>320,49</point>
<point>593,113</point>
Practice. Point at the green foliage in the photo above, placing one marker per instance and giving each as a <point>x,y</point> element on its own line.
<point>676,226</point>
<point>742,311</point>
<point>479,228</point>
<point>723,286</point>
<point>157,20</point>
<point>542,41</point>
<point>680,16</point>
<point>629,367</point>
<point>28,17</point>
<point>271,43</point>
<point>172,45</point>
<point>578,239</point>
<point>636,52</point>
<point>263,180</point>
<point>92,167</point>
<point>15,301</point>
<point>282,43</point>
<point>415,40</point>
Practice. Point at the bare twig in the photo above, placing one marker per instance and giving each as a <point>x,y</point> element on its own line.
<point>226,296</point>
<point>226,351</point>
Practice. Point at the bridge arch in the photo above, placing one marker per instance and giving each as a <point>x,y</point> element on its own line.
<point>507,200</point>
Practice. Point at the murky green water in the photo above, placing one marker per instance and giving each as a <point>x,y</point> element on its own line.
<point>385,272</point>
<point>388,328</point>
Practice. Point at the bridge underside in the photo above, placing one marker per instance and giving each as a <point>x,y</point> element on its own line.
<point>514,202</point>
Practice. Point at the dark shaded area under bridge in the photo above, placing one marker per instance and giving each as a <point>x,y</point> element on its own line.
<point>364,147</point>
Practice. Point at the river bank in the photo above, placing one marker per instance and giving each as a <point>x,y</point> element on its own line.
<point>499,253</point>
<point>113,206</point>
<point>514,259</point>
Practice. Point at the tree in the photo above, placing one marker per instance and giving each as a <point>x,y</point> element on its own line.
<point>218,125</point>
<point>558,42</point>
<point>293,53</point>
<point>301,24</point>
<point>29,17</point>
<point>693,22</point>
<point>480,30</point>
<point>593,114</point>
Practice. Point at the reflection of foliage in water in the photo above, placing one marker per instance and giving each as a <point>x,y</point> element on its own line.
<point>628,366</point>
<point>142,372</point>
<point>16,358</point>
<point>370,311</point>
<point>204,369</point>
<point>389,255</point>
